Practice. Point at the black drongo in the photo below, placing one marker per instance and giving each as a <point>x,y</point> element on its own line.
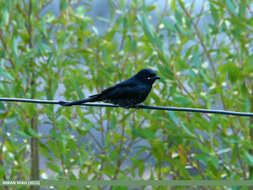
<point>128,93</point>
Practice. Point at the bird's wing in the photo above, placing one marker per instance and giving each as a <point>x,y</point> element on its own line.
<point>125,89</point>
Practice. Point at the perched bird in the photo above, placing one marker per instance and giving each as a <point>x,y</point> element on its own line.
<point>128,93</point>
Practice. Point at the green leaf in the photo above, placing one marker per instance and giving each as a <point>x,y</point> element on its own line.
<point>63,5</point>
<point>49,17</point>
<point>80,12</point>
<point>113,122</point>
<point>173,5</point>
<point>178,16</point>
<point>5,17</point>
<point>169,25</point>
<point>231,6</point>
<point>45,151</point>
<point>248,158</point>
<point>246,102</point>
<point>54,147</point>
<point>9,145</point>
<point>141,168</point>
<point>144,133</point>
<point>242,9</point>
<point>21,134</point>
<point>5,74</point>
<point>15,46</point>
<point>231,69</point>
<point>183,100</point>
<point>54,167</point>
<point>2,107</point>
<point>78,88</point>
<point>149,31</point>
<point>165,72</point>
<point>178,123</point>
<point>29,131</point>
<point>150,8</point>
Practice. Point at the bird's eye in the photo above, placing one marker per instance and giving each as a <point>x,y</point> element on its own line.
<point>149,78</point>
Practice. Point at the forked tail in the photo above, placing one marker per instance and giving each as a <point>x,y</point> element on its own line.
<point>93,98</point>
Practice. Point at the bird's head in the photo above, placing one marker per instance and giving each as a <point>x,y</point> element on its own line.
<point>147,76</point>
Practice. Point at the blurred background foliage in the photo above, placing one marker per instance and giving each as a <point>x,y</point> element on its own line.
<point>202,50</point>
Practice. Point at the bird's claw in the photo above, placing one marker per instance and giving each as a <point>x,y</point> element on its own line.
<point>63,103</point>
<point>136,107</point>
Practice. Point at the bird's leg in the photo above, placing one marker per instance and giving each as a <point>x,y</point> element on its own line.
<point>63,103</point>
<point>137,106</point>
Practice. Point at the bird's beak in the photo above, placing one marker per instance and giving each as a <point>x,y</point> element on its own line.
<point>156,77</point>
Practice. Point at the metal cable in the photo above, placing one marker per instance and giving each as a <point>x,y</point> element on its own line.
<point>58,102</point>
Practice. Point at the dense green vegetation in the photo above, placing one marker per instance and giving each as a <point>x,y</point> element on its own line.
<point>202,51</point>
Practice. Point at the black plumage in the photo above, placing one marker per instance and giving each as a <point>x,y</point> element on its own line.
<point>127,93</point>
